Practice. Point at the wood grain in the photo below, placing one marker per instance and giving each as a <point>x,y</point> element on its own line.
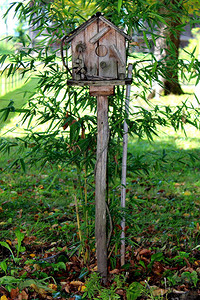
<point>100,185</point>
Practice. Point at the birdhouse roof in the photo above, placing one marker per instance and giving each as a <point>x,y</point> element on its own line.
<point>83,26</point>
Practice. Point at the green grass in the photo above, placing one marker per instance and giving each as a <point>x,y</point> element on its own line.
<point>167,197</point>
<point>6,47</point>
<point>162,174</point>
<point>162,206</point>
<point>20,97</point>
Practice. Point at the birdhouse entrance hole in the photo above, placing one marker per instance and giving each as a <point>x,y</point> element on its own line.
<point>101,51</point>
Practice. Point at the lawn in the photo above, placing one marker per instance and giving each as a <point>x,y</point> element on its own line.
<point>48,253</point>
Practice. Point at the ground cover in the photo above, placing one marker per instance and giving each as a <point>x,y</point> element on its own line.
<point>47,247</point>
<point>162,228</point>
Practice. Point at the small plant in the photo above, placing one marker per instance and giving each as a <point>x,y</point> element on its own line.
<point>191,277</point>
<point>185,277</point>
<point>20,236</point>
<point>134,291</point>
<point>92,286</point>
<point>6,245</point>
<point>95,291</point>
<point>4,266</point>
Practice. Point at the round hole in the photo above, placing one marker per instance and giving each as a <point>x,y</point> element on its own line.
<point>101,50</point>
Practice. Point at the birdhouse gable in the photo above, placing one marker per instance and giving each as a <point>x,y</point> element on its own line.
<point>98,52</point>
<point>91,20</point>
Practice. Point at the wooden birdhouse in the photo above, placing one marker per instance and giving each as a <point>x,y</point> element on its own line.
<point>98,53</point>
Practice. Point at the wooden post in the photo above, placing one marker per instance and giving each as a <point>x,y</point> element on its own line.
<point>100,176</point>
<point>124,165</point>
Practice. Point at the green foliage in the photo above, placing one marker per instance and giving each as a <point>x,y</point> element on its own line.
<point>134,291</point>
<point>3,265</point>
<point>20,236</point>
<point>68,114</point>
<point>185,277</point>
<point>61,124</point>
<point>21,35</point>
<point>193,48</point>
<point>6,47</point>
<point>162,215</point>
<point>94,290</point>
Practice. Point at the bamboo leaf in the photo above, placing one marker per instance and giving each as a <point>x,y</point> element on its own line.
<point>23,164</point>
<point>146,40</point>
<point>119,5</point>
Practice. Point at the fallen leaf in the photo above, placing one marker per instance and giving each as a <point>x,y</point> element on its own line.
<point>9,242</point>
<point>76,283</point>
<point>187,193</point>
<point>145,252</point>
<point>14,293</point>
<point>4,297</point>
<point>20,213</point>
<point>156,291</point>
<point>52,286</point>
<point>23,296</point>
<point>66,288</point>
<point>82,288</point>
<point>115,271</point>
<point>32,255</point>
<point>28,240</point>
<point>39,290</point>
<point>54,225</point>
<point>186,215</point>
<point>179,184</point>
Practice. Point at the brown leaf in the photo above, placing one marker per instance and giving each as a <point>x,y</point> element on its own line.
<point>14,293</point>
<point>115,271</point>
<point>179,184</point>
<point>66,288</point>
<point>23,296</point>
<point>28,240</point>
<point>120,292</point>
<point>40,291</point>
<point>156,291</point>
<point>52,286</point>
<point>145,252</point>
<point>158,268</point>
<point>20,213</point>
<point>76,283</point>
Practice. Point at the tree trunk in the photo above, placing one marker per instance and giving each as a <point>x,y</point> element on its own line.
<point>166,53</point>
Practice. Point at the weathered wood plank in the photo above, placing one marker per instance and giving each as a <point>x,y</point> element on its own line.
<point>128,37</point>
<point>121,45</point>
<point>107,63</point>
<point>79,39</point>
<point>91,59</point>
<point>97,36</point>
<point>102,90</point>
<point>117,55</point>
<point>98,82</point>
<point>100,185</point>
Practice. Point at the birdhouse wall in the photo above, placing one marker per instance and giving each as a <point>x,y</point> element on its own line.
<point>107,63</point>
<point>98,52</point>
